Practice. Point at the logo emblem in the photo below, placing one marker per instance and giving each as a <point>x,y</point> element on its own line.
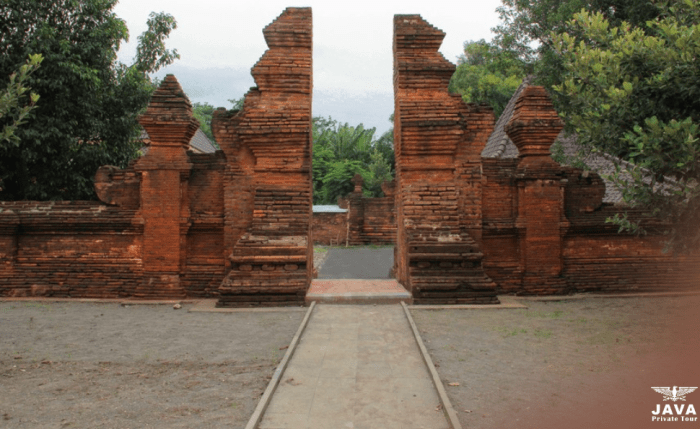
<point>675,394</point>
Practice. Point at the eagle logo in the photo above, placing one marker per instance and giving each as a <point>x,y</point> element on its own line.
<point>675,394</point>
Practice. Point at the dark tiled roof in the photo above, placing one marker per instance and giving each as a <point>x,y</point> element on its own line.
<point>499,145</point>
<point>602,164</point>
<point>201,142</point>
<point>605,165</point>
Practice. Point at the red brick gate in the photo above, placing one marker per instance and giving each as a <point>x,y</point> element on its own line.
<point>236,224</point>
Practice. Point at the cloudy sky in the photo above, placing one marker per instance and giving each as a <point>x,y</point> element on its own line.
<point>220,40</point>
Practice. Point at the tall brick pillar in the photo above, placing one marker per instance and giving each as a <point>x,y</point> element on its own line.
<point>438,140</point>
<point>267,190</point>
<point>356,212</point>
<point>541,220</point>
<point>164,172</point>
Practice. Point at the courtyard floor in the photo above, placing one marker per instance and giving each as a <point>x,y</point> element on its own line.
<point>575,363</point>
<point>88,365</point>
<point>579,363</point>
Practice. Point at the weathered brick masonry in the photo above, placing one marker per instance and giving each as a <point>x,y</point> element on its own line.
<point>329,228</point>
<point>236,224</point>
<point>267,182</point>
<point>158,232</point>
<point>541,225</point>
<point>370,220</point>
<point>544,227</point>
<point>438,141</point>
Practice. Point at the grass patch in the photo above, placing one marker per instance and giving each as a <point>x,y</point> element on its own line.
<point>508,332</point>
<point>545,314</point>
<point>543,333</point>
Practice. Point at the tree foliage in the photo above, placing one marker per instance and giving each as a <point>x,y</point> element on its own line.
<point>87,116</point>
<point>527,28</point>
<point>12,100</point>
<point>341,151</point>
<point>204,113</point>
<point>633,91</point>
<point>487,74</point>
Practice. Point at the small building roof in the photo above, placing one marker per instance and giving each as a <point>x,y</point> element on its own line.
<point>328,209</point>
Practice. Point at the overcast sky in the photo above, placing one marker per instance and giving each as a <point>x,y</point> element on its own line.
<point>220,40</point>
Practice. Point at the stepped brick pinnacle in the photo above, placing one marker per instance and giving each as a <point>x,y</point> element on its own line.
<point>535,124</point>
<point>168,119</point>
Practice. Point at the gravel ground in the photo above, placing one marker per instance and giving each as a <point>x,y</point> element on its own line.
<point>576,363</point>
<point>86,365</point>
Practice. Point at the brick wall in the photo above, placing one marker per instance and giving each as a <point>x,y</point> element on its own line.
<point>545,229</point>
<point>237,224</point>
<point>370,220</point>
<point>596,258</point>
<point>69,249</point>
<point>329,227</point>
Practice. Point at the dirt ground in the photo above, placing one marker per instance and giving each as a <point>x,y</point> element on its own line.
<point>320,256</point>
<point>83,365</point>
<point>576,364</point>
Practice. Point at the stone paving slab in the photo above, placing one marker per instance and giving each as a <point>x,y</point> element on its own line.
<point>356,367</point>
<point>356,291</point>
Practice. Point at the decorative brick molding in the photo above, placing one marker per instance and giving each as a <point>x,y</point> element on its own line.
<point>165,171</point>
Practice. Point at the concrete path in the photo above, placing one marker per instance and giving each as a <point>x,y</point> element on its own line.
<point>356,367</point>
<point>357,263</point>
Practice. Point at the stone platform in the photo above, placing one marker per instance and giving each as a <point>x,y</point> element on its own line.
<point>357,291</point>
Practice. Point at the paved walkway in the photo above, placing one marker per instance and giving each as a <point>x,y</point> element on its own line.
<point>357,263</point>
<point>356,367</point>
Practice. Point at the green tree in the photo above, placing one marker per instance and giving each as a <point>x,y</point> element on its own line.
<point>487,74</point>
<point>633,93</point>
<point>527,28</point>
<point>341,151</point>
<point>12,100</point>
<point>89,105</point>
<point>237,103</point>
<point>385,145</point>
<point>204,113</point>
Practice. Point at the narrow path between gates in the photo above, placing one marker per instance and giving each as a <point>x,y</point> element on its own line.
<point>356,367</point>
